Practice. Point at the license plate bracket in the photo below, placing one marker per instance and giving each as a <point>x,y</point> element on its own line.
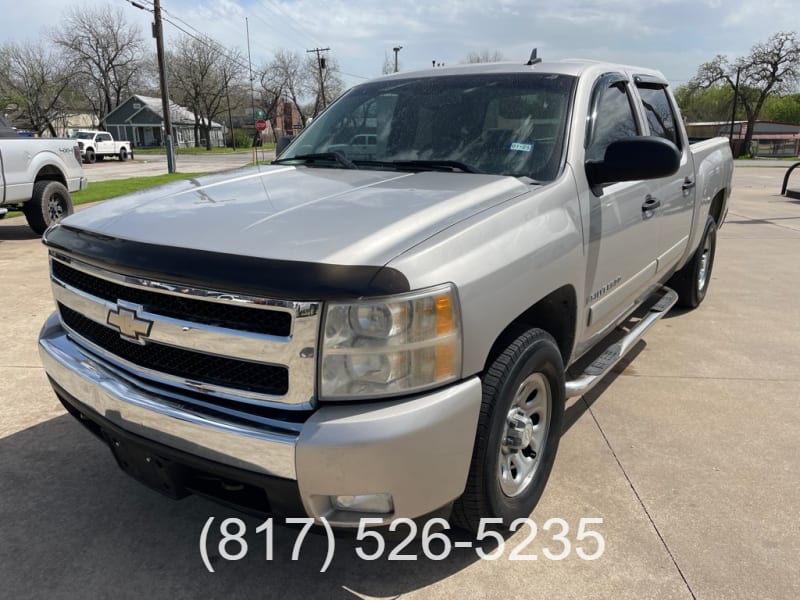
<point>151,469</point>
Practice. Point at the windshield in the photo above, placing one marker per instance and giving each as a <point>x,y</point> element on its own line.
<point>83,135</point>
<point>503,124</point>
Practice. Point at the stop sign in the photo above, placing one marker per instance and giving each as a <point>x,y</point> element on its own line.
<point>261,124</point>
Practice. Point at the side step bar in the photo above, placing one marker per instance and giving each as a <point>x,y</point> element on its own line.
<point>603,364</point>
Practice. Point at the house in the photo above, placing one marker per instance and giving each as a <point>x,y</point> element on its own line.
<point>770,138</point>
<point>140,119</point>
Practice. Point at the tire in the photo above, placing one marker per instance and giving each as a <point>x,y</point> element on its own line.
<point>123,154</point>
<point>49,204</point>
<point>692,281</point>
<point>518,432</point>
<point>89,156</point>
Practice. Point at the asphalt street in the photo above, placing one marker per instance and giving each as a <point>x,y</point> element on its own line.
<point>688,453</point>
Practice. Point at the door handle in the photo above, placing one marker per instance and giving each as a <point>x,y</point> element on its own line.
<point>650,203</point>
<point>688,184</point>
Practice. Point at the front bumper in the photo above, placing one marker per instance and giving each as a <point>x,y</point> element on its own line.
<point>418,450</point>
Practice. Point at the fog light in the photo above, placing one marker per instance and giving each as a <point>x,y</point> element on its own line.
<point>368,503</point>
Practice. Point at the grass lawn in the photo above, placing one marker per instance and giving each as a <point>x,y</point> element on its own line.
<point>105,190</point>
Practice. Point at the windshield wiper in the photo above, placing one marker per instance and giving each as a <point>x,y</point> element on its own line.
<point>436,165</point>
<point>337,157</point>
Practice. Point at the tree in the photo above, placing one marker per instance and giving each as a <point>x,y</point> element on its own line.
<point>201,74</point>
<point>706,104</point>
<point>484,56</point>
<point>105,53</point>
<point>783,108</point>
<point>284,78</point>
<point>35,79</point>
<point>772,67</point>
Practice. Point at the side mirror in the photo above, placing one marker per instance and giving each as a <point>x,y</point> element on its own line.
<point>282,144</point>
<point>633,158</point>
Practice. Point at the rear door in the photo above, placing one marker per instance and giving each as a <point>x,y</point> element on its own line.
<point>676,193</point>
<point>621,250</point>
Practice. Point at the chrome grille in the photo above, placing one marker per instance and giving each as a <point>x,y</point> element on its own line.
<point>240,354</point>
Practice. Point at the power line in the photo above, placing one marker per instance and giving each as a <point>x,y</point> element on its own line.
<point>291,21</point>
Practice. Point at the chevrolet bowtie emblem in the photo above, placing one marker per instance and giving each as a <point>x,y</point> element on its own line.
<point>125,318</point>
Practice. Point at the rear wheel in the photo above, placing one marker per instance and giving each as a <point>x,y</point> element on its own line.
<point>518,432</point>
<point>49,204</point>
<point>123,154</point>
<point>691,282</point>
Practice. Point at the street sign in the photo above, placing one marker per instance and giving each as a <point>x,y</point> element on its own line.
<point>261,124</point>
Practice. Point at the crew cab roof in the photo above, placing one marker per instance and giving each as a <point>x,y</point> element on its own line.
<point>571,66</point>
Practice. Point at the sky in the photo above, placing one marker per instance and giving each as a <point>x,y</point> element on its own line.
<point>674,36</point>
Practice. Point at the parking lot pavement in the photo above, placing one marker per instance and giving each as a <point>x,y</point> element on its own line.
<point>688,453</point>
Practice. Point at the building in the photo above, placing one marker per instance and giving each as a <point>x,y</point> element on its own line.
<point>140,119</point>
<point>770,138</point>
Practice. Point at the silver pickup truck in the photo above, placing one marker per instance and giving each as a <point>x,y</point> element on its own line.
<point>390,333</point>
<point>37,177</point>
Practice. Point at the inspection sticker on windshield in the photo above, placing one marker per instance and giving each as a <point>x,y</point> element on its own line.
<point>520,147</point>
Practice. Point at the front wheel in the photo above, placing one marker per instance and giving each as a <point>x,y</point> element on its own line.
<point>89,156</point>
<point>691,282</point>
<point>49,204</point>
<point>519,429</point>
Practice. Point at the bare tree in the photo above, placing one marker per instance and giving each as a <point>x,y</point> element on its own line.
<point>290,72</point>
<point>388,64</point>
<point>36,80</point>
<point>484,56</point>
<point>105,52</point>
<point>201,74</point>
<point>772,67</point>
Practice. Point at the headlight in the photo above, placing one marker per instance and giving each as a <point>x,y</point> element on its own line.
<point>388,346</point>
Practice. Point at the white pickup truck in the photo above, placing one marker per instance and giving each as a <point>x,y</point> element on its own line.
<point>97,145</point>
<point>388,326</point>
<point>37,177</point>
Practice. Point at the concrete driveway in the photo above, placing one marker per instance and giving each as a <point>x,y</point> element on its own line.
<point>689,454</point>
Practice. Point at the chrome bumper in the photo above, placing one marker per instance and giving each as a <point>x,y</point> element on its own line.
<point>417,450</point>
<point>156,418</point>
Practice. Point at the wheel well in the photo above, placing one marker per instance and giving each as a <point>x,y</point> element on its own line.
<point>716,206</point>
<point>556,313</point>
<point>51,173</point>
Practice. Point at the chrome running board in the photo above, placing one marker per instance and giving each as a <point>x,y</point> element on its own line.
<point>603,364</point>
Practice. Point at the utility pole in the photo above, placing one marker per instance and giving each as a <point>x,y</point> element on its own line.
<point>396,50</point>
<point>321,65</point>
<point>230,116</point>
<point>158,33</point>
<point>253,97</point>
<point>733,112</point>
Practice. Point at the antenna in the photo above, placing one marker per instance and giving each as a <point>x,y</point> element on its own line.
<point>533,60</point>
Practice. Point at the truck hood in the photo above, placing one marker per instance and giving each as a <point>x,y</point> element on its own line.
<point>321,215</point>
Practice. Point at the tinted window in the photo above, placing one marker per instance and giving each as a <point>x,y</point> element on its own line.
<point>613,119</point>
<point>659,113</point>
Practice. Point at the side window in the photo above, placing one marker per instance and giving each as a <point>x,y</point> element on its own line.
<point>660,116</point>
<point>613,119</point>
